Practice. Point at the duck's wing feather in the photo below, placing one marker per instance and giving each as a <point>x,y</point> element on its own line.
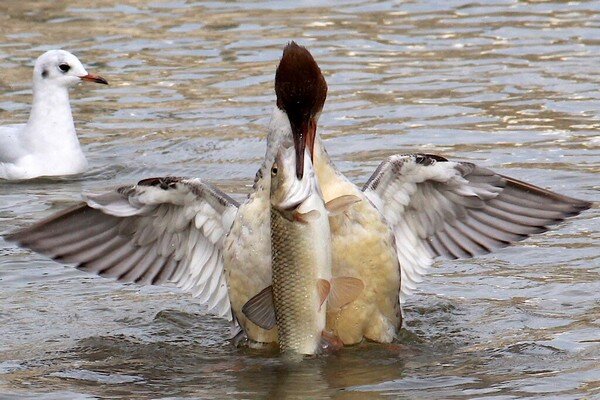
<point>160,230</point>
<point>455,210</point>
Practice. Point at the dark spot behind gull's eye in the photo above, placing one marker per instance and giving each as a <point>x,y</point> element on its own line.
<point>64,67</point>
<point>44,73</point>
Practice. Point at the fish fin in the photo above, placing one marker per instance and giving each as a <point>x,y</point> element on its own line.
<point>323,287</point>
<point>238,334</point>
<point>340,204</point>
<point>344,290</point>
<point>260,309</point>
<point>239,339</point>
<point>305,218</point>
<point>329,343</point>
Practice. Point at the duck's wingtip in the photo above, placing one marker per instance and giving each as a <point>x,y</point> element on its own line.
<point>586,205</point>
<point>15,235</point>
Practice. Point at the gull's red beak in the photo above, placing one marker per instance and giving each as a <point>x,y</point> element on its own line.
<point>94,78</point>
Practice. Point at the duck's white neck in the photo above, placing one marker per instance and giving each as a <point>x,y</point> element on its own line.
<point>280,133</point>
<point>50,125</point>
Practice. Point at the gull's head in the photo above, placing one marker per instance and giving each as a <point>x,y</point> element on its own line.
<point>62,69</point>
<point>301,91</point>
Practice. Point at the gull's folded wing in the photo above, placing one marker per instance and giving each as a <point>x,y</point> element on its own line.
<point>160,230</point>
<point>451,209</point>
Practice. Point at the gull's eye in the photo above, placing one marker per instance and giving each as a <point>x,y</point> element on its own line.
<point>64,67</point>
<point>274,170</point>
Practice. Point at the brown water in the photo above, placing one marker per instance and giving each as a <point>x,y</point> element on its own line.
<point>514,86</point>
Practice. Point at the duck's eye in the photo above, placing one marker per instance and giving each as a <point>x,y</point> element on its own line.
<point>274,170</point>
<point>64,67</point>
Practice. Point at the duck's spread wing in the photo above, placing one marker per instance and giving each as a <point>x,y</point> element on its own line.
<point>451,209</point>
<point>160,230</point>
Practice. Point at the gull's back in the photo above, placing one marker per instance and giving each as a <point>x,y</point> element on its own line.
<point>10,146</point>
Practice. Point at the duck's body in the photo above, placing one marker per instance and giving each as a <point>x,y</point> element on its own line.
<point>47,145</point>
<point>414,208</point>
<point>247,255</point>
<point>362,247</point>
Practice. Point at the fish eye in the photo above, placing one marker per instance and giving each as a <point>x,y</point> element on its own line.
<point>64,67</point>
<point>274,170</point>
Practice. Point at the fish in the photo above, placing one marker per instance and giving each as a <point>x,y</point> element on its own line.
<point>302,287</point>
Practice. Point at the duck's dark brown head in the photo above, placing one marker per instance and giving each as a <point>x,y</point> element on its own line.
<point>301,91</point>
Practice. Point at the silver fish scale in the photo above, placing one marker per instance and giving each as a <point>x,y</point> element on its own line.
<point>294,282</point>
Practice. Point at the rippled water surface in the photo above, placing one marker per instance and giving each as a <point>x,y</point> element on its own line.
<point>511,85</point>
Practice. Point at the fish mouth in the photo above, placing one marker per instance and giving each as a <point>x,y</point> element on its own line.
<point>296,194</point>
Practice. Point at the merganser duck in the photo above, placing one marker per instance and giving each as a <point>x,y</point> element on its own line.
<point>415,208</point>
<point>47,145</point>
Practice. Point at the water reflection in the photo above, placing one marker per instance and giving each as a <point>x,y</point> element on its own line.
<point>509,84</point>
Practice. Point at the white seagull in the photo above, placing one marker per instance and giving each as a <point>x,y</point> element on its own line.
<point>415,208</point>
<point>47,145</point>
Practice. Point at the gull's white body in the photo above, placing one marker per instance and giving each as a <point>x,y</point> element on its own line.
<point>47,145</point>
